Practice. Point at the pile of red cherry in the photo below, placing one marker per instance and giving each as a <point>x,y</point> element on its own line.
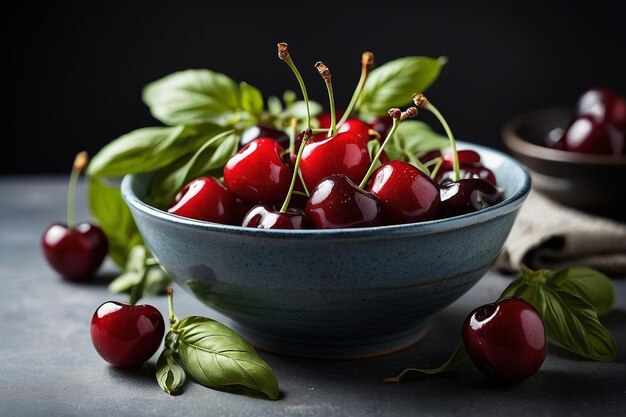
<point>598,125</point>
<point>257,180</point>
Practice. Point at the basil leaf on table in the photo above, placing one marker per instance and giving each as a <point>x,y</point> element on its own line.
<point>595,287</point>
<point>192,96</point>
<point>208,160</point>
<point>114,217</point>
<point>147,149</point>
<point>393,83</point>
<point>217,357</point>
<point>169,372</point>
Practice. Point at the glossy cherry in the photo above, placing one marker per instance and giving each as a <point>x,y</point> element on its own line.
<point>467,195</point>
<point>126,335</point>
<point>337,202</point>
<point>470,167</point>
<point>344,153</point>
<point>263,131</point>
<point>604,105</point>
<point>506,339</point>
<point>207,199</point>
<point>585,134</point>
<point>256,173</point>
<point>355,126</point>
<point>268,216</point>
<point>405,193</point>
<point>75,251</point>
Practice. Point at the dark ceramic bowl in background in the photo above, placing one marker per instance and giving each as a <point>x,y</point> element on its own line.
<point>332,293</point>
<point>589,182</point>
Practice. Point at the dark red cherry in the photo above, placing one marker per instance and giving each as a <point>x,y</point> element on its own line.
<point>603,105</point>
<point>585,134</point>
<point>467,195</point>
<point>382,125</point>
<point>506,339</point>
<point>205,198</point>
<point>337,202</point>
<point>466,157</point>
<point>256,173</point>
<point>405,193</point>
<point>344,153</point>
<point>76,252</point>
<point>126,335</point>
<point>476,170</point>
<point>262,131</point>
<point>324,118</point>
<point>268,216</point>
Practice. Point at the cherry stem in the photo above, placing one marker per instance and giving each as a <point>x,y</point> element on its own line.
<point>325,73</point>
<point>435,170</point>
<point>80,163</point>
<point>170,307</point>
<point>457,357</point>
<point>421,101</point>
<point>397,116</point>
<point>292,136</point>
<point>283,54</point>
<point>367,63</point>
<point>296,169</point>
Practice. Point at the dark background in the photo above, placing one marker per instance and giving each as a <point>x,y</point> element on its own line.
<point>74,73</point>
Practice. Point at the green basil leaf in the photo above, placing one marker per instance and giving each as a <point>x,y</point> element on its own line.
<point>572,323</point>
<point>157,281</point>
<point>393,83</point>
<point>208,160</point>
<point>169,372</point>
<point>412,139</point>
<point>593,286</point>
<point>534,294</point>
<point>274,106</point>
<point>251,99</point>
<point>147,149</point>
<point>452,363</point>
<point>124,282</point>
<point>193,96</point>
<point>114,217</point>
<point>297,110</point>
<point>217,357</point>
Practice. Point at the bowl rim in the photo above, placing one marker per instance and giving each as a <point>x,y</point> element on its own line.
<point>511,203</point>
<point>521,146</point>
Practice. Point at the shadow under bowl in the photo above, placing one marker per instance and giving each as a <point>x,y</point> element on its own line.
<point>346,293</point>
<point>589,182</point>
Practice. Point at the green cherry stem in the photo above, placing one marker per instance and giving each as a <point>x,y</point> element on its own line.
<point>420,100</point>
<point>80,163</point>
<point>283,54</point>
<point>305,138</point>
<point>325,73</point>
<point>367,63</point>
<point>397,116</point>
<point>170,308</point>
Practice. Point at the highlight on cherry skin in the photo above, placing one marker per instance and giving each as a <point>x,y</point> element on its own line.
<point>506,339</point>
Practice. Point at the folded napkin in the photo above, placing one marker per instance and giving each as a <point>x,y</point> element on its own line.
<point>549,235</point>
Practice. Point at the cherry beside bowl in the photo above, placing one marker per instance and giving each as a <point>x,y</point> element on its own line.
<point>343,293</point>
<point>592,183</point>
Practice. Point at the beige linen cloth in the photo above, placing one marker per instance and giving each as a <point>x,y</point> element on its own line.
<point>549,235</point>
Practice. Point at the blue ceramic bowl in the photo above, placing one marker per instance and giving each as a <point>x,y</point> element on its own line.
<point>332,293</point>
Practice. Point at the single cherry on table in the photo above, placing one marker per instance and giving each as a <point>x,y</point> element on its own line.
<point>75,251</point>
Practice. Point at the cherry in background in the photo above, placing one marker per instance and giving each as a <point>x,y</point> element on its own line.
<point>506,339</point>
<point>75,251</point>
<point>604,105</point>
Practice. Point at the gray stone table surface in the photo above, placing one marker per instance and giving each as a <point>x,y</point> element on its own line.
<point>48,366</point>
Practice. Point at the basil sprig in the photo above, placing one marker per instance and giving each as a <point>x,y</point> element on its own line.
<point>569,302</point>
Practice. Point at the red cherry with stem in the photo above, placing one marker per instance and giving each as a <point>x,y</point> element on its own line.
<point>205,198</point>
<point>324,119</point>
<point>406,194</point>
<point>266,216</point>
<point>604,105</point>
<point>585,134</point>
<point>337,202</point>
<point>126,335</point>
<point>75,251</point>
<point>256,173</point>
<point>506,339</point>
<point>467,195</point>
<point>355,126</point>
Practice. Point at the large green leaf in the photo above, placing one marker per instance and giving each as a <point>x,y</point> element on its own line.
<point>393,83</point>
<point>191,96</point>
<point>413,138</point>
<point>217,357</point>
<point>593,286</point>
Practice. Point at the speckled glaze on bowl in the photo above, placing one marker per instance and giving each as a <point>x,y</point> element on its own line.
<point>332,293</point>
<point>589,182</point>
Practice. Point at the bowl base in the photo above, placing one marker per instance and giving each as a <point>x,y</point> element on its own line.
<point>334,347</point>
